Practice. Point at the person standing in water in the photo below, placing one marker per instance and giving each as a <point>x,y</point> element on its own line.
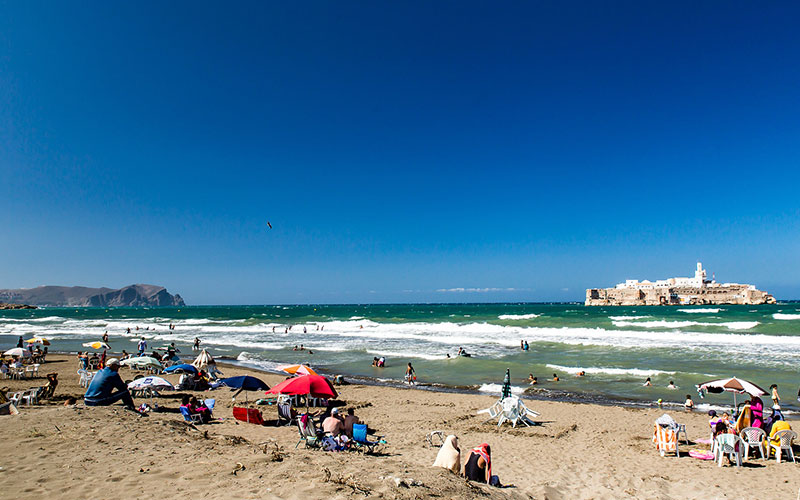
<point>196,345</point>
<point>105,337</point>
<point>411,375</point>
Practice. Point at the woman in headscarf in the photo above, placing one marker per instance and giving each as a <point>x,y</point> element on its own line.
<point>479,464</point>
<point>757,412</point>
<point>449,456</point>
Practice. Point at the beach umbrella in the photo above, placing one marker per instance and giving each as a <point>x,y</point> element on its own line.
<point>142,361</point>
<point>203,360</point>
<point>17,351</point>
<point>96,345</point>
<point>315,385</point>
<point>297,370</point>
<point>185,367</point>
<point>506,385</point>
<point>149,383</point>
<point>38,340</point>
<point>732,384</point>
<point>245,383</point>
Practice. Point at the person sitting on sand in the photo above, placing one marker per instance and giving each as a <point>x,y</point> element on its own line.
<point>101,389</point>
<point>449,456</point>
<point>688,405</point>
<point>479,464</point>
<point>349,420</point>
<point>672,385</point>
<point>200,409</point>
<point>647,383</point>
<point>555,377</point>
<point>333,424</point>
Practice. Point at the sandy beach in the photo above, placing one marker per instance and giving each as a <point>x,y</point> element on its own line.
<point>580,451</point>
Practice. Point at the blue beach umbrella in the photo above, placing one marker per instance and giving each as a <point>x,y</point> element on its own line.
<point>245,383</point>
<point>185,367</point>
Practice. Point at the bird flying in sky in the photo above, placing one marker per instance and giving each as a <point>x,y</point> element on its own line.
<point>270,225</point>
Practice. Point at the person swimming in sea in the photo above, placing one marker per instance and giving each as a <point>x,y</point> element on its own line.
<point>532,380</point>
<point>555,377</point>
<point>647,383</point>
<point>672,385</point>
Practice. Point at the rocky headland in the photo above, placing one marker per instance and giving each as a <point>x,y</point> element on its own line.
<point>80,296</point>
<point>3,305</point>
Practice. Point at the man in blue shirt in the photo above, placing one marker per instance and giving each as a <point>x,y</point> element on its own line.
<point>100,391</point>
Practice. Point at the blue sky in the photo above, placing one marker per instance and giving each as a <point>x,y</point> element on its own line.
<point>403,151</point>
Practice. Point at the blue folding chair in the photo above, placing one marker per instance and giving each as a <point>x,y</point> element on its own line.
<point>361,441</point>
<point>190,417</point>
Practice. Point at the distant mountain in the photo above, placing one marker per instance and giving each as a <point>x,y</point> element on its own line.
<point>81,296</point>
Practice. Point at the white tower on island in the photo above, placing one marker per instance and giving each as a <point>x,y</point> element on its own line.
<point>700,275</point>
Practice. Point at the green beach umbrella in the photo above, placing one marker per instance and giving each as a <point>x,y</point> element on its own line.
<point>507,384</point>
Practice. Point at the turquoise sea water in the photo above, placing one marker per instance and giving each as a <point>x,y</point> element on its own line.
<point>617,347</point>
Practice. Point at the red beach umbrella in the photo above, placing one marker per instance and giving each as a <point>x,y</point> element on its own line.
<point>315,385</point>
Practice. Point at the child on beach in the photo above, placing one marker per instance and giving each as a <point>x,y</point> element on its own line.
<point>689,404</point>
<point>411,375</point>
<point>776,399</point>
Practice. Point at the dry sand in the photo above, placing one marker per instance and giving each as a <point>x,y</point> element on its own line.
<point>580,451</point>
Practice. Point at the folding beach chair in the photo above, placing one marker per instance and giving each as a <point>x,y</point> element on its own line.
<point>249,415</point>
<point>361,441</point>
<point>308,432</point>
<point>285,414</point>
<point>192,418</point>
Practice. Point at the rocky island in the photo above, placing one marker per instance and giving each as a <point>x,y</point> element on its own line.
<point>4,305</point>
<point>80,296</point>
<point>677,291</point>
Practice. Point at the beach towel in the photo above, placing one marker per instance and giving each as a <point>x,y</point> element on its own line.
<point>665,438</point>
<point>483,451</point>
<point>449,456</point>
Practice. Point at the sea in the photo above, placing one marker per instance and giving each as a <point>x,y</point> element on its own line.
<point>616,347</point>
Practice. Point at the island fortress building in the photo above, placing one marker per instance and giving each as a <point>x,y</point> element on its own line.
<point>677,291</point>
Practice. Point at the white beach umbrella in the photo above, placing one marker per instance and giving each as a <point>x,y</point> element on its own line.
<point>142,361</point>
<point>203,360</point>
<point>732,384</point>
<point>17,351</point>
<point>149,382</point>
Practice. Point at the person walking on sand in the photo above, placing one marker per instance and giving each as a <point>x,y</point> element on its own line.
<point>411,375</point>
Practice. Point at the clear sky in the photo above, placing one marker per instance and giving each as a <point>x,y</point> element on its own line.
<point>403,151</point>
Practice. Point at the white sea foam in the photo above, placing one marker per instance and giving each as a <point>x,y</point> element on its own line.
<point>623,318</point>
<point>497,388</point>
<point>636,372</point>
<point>702,310</point>
<point>731,325</point>
<point>518,316</point>
<point>784,316</point>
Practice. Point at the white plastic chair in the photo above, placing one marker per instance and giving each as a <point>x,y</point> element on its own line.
<point>493,411</point>
<point>83,380</point>
<point>753,436</point>
<point>784,438</point>
<point>730,444</point>
<point>14,397</point>
<point>31,396</point>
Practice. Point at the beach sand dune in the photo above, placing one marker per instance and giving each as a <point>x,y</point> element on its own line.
<point>580,451</point>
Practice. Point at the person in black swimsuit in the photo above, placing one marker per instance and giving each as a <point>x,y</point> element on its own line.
<point>479,464</point>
